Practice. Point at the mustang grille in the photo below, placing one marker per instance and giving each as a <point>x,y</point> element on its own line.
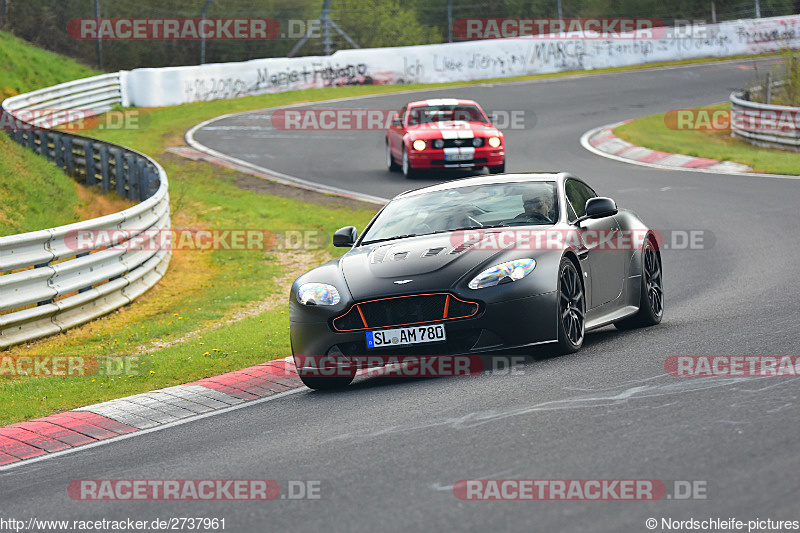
<point>458,143</point>
<point>403,311</point>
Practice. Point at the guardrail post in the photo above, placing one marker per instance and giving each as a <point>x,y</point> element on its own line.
<point>88,150</point>
<point>69,156</point>
<point>89,287</point>
<point>152,181</point>
<point>119,167</point>
<point>768,95</point>
<point>144,182</point>
<point>58,156</point>
<point>19,136</point>
<point>133,182</point>
<point>104,167</point>
<point>43,302</point>
<point>32,140</point>
<point>44,149</point>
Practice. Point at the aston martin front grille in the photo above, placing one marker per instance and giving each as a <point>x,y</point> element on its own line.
<point>404,311</point>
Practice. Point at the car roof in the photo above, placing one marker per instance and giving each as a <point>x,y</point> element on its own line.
<point>442,101</point>
<point>488,180</point>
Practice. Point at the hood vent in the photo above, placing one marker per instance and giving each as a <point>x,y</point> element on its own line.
<point>399,256</point>
<point>463,246</point>
<point>432,251</point>
<point>378,254</point>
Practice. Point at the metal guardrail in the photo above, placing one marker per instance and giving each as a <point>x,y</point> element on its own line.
<point>50,284</point>
<point>753,122</point>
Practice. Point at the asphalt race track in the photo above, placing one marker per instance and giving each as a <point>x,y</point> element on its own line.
<point>388,451</point>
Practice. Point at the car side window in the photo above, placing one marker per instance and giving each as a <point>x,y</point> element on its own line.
<point>577,194</point>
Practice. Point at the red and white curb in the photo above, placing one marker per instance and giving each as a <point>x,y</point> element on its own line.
<point>95,423</point>
<point>602,141</point>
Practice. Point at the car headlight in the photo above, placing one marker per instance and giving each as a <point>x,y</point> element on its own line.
<point>513,270</point>
<point>477,142</point>
<point>494,142</point>
<point>438,144</point>
<point>318,294</point>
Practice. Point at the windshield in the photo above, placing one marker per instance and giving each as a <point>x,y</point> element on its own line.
<point>478,206</point>
<point>442,113</point>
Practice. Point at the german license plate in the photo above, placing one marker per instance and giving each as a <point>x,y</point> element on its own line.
<point>385,338</point>
<point>458,157</point>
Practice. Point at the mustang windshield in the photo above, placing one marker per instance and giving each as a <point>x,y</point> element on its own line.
<point>478,206</point>
<point>443,113</point>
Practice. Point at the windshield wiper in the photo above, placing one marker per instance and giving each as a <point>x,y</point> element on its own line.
<point>390,238</point>
<point>493,226</point>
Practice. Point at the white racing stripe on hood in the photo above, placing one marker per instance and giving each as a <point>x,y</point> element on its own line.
<point>456,130</point>
<point>442,101</point>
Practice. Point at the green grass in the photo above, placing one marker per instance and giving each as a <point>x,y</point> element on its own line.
<point>652,132</point>
<point>34,194</point>
<point>233,302</point>
<point>24,67</point>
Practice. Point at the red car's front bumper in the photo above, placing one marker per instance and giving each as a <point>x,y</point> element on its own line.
<point>432,158</point>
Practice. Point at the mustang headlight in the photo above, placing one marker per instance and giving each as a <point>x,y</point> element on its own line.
<point>418,145</point>
<point>510,270</point>
<point>494,142</point>
<point>318,294</point>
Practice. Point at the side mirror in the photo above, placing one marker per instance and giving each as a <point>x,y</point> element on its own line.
<point>345,236</point>
<point>396,120</point>
<point>600,207</point>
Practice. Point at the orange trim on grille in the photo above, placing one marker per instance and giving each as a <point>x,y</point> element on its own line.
<point>445,317</point>
<point>360,312</point>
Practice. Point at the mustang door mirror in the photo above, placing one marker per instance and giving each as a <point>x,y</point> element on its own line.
<point>396,120</point>
<point>345,236</point>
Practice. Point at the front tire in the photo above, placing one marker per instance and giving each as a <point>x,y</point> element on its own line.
<point>390,164</point>
<point>651,301</point>
<point>326,382</point>
<point>408,172</point>
<point>571,308</point>
<point>498,169</point>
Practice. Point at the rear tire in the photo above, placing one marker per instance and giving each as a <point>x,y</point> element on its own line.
<point>390,164</point>
<point>571,308</point>
<point>651,301</point>
<point>408,172</point>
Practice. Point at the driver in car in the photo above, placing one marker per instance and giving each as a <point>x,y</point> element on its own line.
<point>536,208</point>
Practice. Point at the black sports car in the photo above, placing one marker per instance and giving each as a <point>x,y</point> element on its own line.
<point>473,266</point>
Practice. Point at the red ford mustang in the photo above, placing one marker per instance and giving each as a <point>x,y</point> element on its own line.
<point>443,133</point>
